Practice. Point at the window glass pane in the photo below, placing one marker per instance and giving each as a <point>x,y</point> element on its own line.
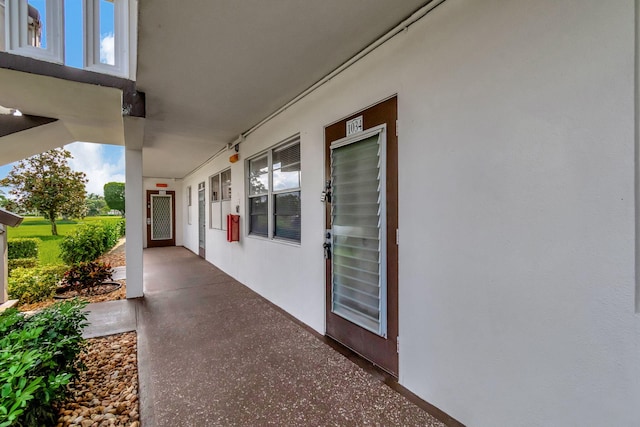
<point>225,178</point>
<point>107,35</point>
<point>286,210</point>
<point>258,176</point>
<point>226,210</point>
<point>259,221</point>
<point>286,168</point>
<point>216,216</point>
<point>37,23</point>
<point>215,188</point>
<point>73,37</point>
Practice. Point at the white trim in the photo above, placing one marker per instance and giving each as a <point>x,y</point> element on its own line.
<point>381,132</point>
<point>268,153</point>
<point>92,38</point>
<point>16,15</point>
<point>219,202</point>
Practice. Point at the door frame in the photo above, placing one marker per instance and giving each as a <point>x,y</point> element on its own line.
<point>202,228</point>
<point>382,351</point>
<point>167,242</point>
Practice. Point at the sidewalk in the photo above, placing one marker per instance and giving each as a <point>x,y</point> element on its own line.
<point>213,353</point>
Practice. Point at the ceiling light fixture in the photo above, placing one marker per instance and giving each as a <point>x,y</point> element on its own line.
<point>16,113</point>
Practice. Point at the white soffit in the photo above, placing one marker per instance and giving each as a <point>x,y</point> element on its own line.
<point>213,69</point>
<point>86,112</point>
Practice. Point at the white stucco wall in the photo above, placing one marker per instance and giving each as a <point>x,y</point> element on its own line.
<point>516,185</point>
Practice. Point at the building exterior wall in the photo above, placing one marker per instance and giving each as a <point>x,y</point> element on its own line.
<point>516,193</point>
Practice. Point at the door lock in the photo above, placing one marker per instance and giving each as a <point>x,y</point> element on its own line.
<point>325,196</point>
<point>327,250</point>
<point>327,244</point>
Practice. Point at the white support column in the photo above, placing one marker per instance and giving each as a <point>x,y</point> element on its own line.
<point>3,264</point>
<point>135,216</point>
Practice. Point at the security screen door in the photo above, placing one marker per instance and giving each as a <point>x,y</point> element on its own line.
<point>161,218</point>
<point>361,249</point>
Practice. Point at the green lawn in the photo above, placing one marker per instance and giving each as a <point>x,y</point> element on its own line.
<point>49,249</point>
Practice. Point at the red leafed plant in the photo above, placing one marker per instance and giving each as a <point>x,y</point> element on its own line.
<point>87,275</point>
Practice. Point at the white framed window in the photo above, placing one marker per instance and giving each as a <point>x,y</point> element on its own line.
<point>107,36</point>
<point>220,199</point>
<point>189,204</point>
<point>35,29</point>
<point>274,196</point>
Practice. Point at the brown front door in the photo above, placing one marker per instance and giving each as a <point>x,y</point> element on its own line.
<point>161,218</point>
<point>361,169</point>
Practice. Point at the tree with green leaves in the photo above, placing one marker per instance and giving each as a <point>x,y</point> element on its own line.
<point>46,183</point>
<point>114,196</point>
<point>95,205</point>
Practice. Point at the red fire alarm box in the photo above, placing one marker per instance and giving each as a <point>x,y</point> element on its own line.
<point>233,228</point>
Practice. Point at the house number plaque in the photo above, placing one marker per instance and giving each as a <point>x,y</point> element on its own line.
<point>354,125</point>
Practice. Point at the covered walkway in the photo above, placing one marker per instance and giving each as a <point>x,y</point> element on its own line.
<point>212,352</point>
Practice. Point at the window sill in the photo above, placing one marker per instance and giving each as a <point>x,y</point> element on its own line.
<point>279,241</point>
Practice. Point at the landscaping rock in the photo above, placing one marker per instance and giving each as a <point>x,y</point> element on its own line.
<point>98,397</point>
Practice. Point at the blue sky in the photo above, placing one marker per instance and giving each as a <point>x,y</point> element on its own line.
<point>102,163</point>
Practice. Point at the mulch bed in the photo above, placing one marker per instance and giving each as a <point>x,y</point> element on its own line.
<point>116,258</point>
<point>101,289</point>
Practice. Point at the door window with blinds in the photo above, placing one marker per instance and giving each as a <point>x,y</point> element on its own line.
<point>274,192</point>
<point>358,229</point>
<point>220,185</point>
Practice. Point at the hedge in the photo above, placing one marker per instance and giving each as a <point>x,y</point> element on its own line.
<point>22,263</point>
<point>29,285</point>
<point>89,241</point>
<point>22,248</point>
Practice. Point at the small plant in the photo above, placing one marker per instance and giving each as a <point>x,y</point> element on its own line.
<point>22,248</point>
<point>29,285</point>
<point>37,361</point>
<point>86,275</point>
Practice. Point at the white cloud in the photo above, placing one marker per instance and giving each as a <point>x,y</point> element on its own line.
<point>107,49</point>
<point>91,159</point>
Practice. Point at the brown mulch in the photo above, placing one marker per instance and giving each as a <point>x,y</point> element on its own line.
<point>115,257</point>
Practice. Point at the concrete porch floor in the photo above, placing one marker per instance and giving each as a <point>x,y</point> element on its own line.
<point>213,353</point>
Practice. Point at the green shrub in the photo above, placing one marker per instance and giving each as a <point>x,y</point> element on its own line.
<point>89,241</point>
<point>22,263</point>
<point>29,285</point>
<point>22,248</point>
<point>37,361</point>
<point>123,227</point>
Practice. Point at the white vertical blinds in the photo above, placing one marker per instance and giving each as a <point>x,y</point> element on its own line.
<point>357,182</point>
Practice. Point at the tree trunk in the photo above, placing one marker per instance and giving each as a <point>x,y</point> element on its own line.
<point>54,227</point>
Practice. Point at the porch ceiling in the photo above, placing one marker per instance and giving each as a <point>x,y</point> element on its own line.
<point>211,69</point>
